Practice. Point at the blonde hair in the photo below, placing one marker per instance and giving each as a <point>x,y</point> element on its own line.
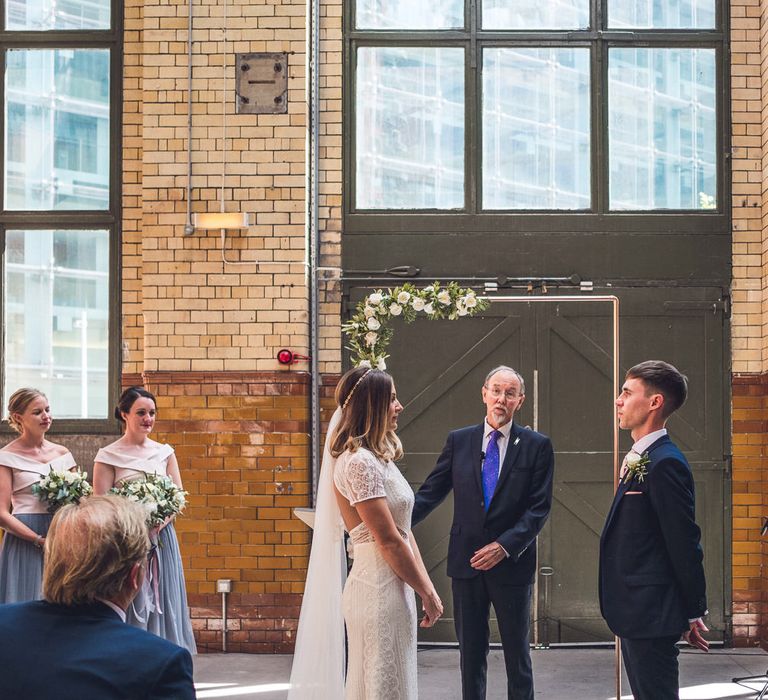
<point>365,396</point>
<point>19,402</point>
<point>91,548</point>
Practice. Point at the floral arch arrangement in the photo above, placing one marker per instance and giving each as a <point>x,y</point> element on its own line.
<point>369,333</point>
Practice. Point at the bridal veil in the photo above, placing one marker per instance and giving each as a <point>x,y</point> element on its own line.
<point>319,659</point>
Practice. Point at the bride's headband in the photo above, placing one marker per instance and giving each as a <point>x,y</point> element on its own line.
<point>349,395</point>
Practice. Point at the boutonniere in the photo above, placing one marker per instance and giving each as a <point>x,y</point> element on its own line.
<point>636,467</point>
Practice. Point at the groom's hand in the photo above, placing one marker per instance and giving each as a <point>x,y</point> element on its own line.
<point>693,635</point>
<point>487,557</point>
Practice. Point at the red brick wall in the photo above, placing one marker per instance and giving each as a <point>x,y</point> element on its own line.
<point>750,492</point>
<point>242,441</point>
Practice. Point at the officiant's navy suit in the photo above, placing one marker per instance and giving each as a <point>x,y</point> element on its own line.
<point>651,572</point>
<point>517,511</point>
<point>86,652</point>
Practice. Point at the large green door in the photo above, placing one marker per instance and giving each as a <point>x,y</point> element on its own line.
<point>564,351</point>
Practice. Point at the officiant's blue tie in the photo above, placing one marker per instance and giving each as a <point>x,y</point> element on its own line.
<point>491,467</point>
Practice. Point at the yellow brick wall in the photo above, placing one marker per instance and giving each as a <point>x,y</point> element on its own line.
<point>748,337</point>
<point>183,309</point>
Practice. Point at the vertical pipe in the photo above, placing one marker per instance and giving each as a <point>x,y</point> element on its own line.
<point>312,228</point>
<point>188,227</point>
<point>223,621</point>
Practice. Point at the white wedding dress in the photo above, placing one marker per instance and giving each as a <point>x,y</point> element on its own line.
<point>379,609</point>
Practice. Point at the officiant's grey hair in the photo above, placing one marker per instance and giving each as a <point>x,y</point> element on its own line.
<point>504,368</point>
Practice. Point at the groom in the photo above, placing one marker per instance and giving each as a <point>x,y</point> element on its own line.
<point>652,587</point>
<point>501,476</point>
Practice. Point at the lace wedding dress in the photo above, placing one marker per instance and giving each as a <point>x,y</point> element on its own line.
<point>379,609</point>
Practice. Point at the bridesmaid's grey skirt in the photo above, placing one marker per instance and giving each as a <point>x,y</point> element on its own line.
<point>21,563</point>
<point>170,619</point>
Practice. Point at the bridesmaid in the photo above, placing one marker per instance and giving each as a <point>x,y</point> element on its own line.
<point>23,515</point>
<point>131,457</point>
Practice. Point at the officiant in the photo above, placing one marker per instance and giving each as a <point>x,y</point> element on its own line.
<point>501,477</point>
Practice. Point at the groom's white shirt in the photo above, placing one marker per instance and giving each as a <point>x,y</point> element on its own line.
<point>502,442</point>
<point>647,440</point>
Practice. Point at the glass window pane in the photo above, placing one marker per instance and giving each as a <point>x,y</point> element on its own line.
<point>42,15</point>
<point>535,14</point>
<point>57,129</point>
<point>410,128</point>
<point>409,14</point>
<point>662,128</point>
<point>661,14</point>
<point>56,310</point>
<point>536,145</point>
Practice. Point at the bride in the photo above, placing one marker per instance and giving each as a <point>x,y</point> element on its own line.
<point>361,490</point>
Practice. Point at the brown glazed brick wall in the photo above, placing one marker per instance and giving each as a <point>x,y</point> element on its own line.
<point>242,442</point>
<point>750,491</point>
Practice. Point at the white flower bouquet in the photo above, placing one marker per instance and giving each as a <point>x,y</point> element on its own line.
<point>57,489</point>
<point>157,493</point>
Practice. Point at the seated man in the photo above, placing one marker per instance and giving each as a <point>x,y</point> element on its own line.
<point>75,643</point>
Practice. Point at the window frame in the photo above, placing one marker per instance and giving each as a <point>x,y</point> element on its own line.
<point>599,42</point>
<point>108,219</point>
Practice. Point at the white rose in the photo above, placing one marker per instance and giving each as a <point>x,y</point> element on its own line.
<point>369,311</point>
<point>371,338</point>
<point>395,309</point>
<point>380,364</point>
<point>403,298</point>
<point>428,308</point>
<point>417,304</point>
<point>633,458</point>
<point>471,301</point>
<point>444,297</point>
<point>373,324</point>
<point>375,298</point>
<point>365,363</point>
<point>461,310</point>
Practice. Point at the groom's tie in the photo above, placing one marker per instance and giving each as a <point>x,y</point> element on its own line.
<point>491,467</point>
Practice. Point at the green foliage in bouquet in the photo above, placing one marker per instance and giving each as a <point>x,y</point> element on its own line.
<point>57,489</point>
<point>158,493</point>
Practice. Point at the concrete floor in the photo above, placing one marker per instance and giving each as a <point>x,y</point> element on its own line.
<point>572,674</point>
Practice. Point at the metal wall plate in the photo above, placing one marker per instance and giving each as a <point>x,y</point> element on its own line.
<point>261,82</point>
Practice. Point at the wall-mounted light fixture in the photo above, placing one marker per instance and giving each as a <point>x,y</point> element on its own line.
<point>220,220</point>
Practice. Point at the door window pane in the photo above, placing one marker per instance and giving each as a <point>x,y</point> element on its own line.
<point>56,301</point>
<point>662,128</point>
<point>536,145</point>
<point>661,14</point>
<point>57,129</point>
<point>535,14</point>
<point>42,15</point>
<point>410,128</point>
<point>409,14</point>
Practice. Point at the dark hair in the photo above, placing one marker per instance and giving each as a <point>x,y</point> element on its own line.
<point>365,395</point>
<point>128,398</point>
<point>662,378</point>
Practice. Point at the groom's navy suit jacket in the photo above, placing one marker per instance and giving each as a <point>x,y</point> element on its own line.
<point>518,509</point>
<point>86,652</point>
<point>651,572</point>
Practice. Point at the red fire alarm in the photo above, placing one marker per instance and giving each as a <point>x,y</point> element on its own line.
<point>288,357</point>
